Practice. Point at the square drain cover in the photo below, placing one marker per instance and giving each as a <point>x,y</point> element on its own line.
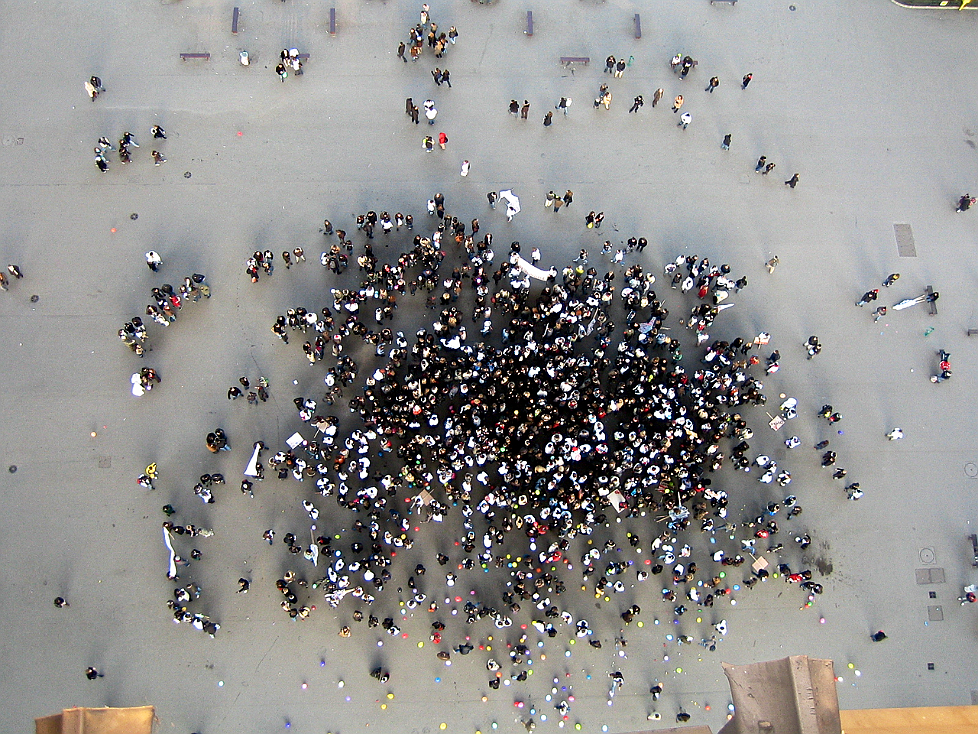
<point>929,576</point>
<point>105,462</point>
<point>935,614</point>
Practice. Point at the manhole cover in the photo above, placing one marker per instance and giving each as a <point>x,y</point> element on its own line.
<point>12,468</point>
<point>35,299</point>
<point>105,462</point>
<point>935,614</point>
<point>926,555</point>
<point>187,174</point>
<point>134,216</point>
<point>971,469</point>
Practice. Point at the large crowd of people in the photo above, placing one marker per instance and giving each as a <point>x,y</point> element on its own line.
<point>530,411</point>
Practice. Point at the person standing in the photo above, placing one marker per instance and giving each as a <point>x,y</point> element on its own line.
<point>792,182</point>
<point>548,119</point>
<point>401,48</point>
<point>760,164</point>
<point>714,83</point>
<point>637,103</point>
<point>879,313</point>
<point>609,65</point>
<point>514,107</point>
<point>429,111</point>
<point>428,143</point>
<point>442,140</point>
<point>525,109</point>
<point>493,197</point>
<point>153,260</point>
<point>436,75</point>
<point>568,197</point>
<point>726,141</point>
<point>746,81</point>
<point>91,673</point>
<point>684,120</point>
<point>558,202</point>
<point>657,96</point>
<point>465,170</point>
<point>677,103</point>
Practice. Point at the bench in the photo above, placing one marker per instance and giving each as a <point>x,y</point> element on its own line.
<point>529,23</point>
<point>638,25</point>
<point>972,332</point>
<point>204,56</point>
<point>732,2</point>
<point>568,60</point>
<point>332,21</point>
<point>929,290</point>
<point>234,21</point>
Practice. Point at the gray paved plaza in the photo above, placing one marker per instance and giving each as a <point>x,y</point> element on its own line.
<point>872,104</point>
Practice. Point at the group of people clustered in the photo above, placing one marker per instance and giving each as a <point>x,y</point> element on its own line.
<point>571,405</point>
<point>526,417</point>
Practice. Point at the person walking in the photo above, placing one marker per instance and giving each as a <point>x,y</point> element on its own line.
<point>446,77</point>
<point>677,103</point>
<point>768,168</point>
<point>428,143</point>
<point>563,104</point>
<point>158,132</point>
<point>746,80</point>
<point>895,435</point>
<point>514,107</point>
<point>609,65</point>
<point>401,48</point>
<point>891,279</point>
<point>493,197</point>
<point>568,197</point>
<point>525,109</point>
<point>684,120</point>
<point>714,83</point>
<point>792,182</point>
<point>868,297</point>
<point>465,171</point>
<point>158,158</point>
<point>153,260</point>
<point>657,96</point>
<point>760,164</point>
<point>772,263</point>
<point>879,313</point>
<point>429,111</point>
<point>548,119</point>
<point>637,103</point>
<point>442,140</point>
<point>726,141</point>
<point>965,202</point>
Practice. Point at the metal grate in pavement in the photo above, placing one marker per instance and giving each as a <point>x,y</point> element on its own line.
<point>904,240</point>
